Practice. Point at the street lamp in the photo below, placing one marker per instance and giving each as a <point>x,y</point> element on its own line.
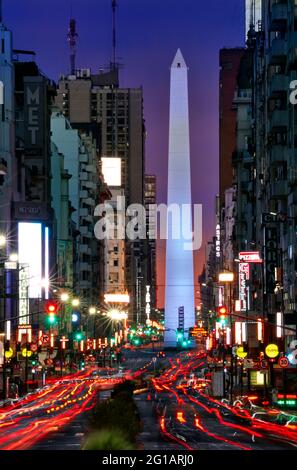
<point>75,302</point>
<point>2,240</point>
<point>92,310</point>
<point>14,257</point>
<point>64,297</point>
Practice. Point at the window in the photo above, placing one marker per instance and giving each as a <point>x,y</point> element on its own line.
<point>115,262</point>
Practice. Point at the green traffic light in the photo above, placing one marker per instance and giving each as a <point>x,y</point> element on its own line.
<point>78,336</point>
<point>185,343</point>
<point>51,319</point>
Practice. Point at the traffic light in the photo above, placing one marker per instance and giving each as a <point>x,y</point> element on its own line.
<point>51,310</point>
<point>78,336</point>
<point>180,334</point>
<point>34,360</point>
<point>222,311</point>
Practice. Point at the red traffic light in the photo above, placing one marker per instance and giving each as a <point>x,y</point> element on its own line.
<point>51,307</point>
<point>222,310</point>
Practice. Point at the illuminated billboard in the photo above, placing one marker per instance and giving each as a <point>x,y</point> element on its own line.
<point>117,298</point>
<point>111,169</point>
<point>30,254</point>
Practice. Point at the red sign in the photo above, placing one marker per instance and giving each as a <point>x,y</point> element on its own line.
<point>250,256</point>
<point>48,362</point>
<point>33,347</point>
<point>45,339</point>
<point>283,362</point>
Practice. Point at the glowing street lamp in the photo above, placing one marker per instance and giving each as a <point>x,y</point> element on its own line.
<point>14,257</point>
<point>2,240</point>
<point>75,302</point>
<point>64,297</point>
<point>92,311</point>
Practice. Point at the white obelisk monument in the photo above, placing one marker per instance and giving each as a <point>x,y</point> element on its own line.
<point>179,289</point>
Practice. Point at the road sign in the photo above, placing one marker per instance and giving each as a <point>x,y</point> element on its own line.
<point>241,352</point>
<point>272,350</point>
<point>248,363</point>
<point>154,359</point>
<point>33,347</point>
<point>9,353</point>
<point>26,352</point>
<point>48,362</point>
<point>283,362</point>
<point>45,339</point>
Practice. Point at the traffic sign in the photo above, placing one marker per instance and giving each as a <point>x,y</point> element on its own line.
<point>9,353</point>
<point>241,352</point>
<point>45,339</point>
<point>283,362</point>
<point>154,359</point>
<point>248,363</point>
<point>272,350</point>
<point>26,352</point>
<point>48,362</point>
<point>33,347</point>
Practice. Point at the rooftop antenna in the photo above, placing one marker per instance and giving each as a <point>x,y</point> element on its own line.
<point>114,7</point>
<point>72,36</point>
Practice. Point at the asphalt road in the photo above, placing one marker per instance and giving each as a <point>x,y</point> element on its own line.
<point>197,421</point>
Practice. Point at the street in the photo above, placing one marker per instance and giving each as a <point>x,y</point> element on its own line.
<point>197,421</point>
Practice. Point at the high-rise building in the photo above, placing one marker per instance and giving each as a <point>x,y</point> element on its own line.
<point>179,293</point>
<point>229,65</point>
<point>81,162</point>
<point>116,115</point>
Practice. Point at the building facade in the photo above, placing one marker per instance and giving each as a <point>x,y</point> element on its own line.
<point>116,113</point>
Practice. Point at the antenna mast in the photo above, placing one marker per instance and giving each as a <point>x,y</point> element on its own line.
<point>114,7</point>
<point>72,36</point>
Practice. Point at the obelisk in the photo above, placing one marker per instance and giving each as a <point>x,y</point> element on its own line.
<point>179,289</point>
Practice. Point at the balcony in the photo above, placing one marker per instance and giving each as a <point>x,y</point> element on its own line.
<point>279,118</point>
<point>279,189</point>
<point>83,176</point>
<point>278,51</point>
<point>277,154</point>
<point>279,16</point>
<point>83,194</point>
<point>83,158</point>
<point>89,201</point>
<point>83,212</point>
<point>85,267</point>
<point>86,231</point>
<point>278,84</point>
<point>85,249</point>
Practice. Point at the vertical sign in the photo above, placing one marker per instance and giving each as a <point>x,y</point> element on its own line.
<point>244,275</point>
<point>24,294</point>
<point>218,241</point>
<point>270,234</point>
<point>148,303</point>
<point>181,317</point>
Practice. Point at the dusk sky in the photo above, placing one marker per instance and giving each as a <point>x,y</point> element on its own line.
<point>149,33</point>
